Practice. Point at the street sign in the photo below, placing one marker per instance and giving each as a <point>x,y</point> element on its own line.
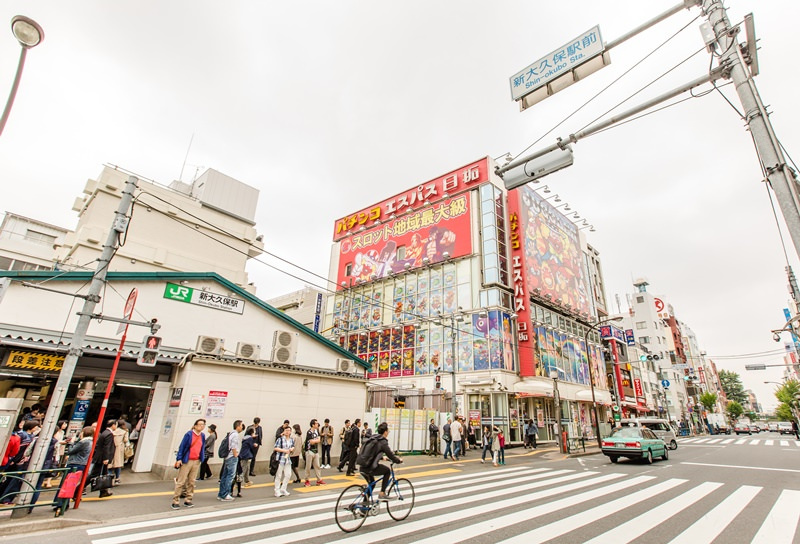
<point>615,408</point>
<point>755,367</point>
<point>665,383</point>
<point>128,312</point>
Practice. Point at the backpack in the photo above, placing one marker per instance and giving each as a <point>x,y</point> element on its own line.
<point>224,450</point>
<point>369,451</point>
<point>273,463</point>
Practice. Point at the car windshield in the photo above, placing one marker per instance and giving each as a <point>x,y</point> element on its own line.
<point>627,432</point>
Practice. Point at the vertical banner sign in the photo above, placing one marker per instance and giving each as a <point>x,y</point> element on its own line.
<point>527,362</point>
<point>317,311</point>
<point>629,338</point>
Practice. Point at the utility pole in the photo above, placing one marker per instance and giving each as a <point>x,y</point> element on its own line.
<point>781,178</point>
<point>91,299</point>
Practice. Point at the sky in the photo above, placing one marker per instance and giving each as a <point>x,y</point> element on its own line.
<point>330,106</point>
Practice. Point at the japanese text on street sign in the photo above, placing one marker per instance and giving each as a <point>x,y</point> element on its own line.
<point>35,361</point>
<point>538,74</point>
<point>199,297</point>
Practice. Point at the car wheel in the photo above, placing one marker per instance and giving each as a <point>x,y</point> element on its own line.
<point>673,445</point>
<point>613,458</point>
<point>665,457</point>
<point>649,457</point>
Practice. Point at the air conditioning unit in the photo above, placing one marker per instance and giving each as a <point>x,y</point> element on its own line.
<point>209,345</point>
<point>347,366</point>
<point>284,347</point>
<point>250,352</point>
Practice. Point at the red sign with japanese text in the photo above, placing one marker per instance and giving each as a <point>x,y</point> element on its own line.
<point>430,235</point>
<point>451,184</point>
<point>525,340</point>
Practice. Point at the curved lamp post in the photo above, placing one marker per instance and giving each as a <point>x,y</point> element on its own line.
<point>591,375</point>
<point>29,34</point>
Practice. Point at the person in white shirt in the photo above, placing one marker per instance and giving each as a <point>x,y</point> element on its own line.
<point>455,432</point>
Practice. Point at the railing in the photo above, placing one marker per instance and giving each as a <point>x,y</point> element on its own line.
<point>14,485</point>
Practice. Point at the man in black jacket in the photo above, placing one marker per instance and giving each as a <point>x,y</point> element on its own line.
<point>372,453</point>
<point>103,454</point>
<point>353,442</point>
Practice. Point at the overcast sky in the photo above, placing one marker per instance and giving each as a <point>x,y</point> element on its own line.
<point>330,106</point>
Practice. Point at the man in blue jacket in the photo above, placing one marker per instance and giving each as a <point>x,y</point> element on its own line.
<point>191,453</point>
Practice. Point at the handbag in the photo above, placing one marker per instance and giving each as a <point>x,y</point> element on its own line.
<point>128,450</point>
<point>104,481</point>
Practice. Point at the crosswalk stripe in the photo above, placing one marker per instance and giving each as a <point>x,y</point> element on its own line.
<point>741,441</point>
<point>633,529</point>
<point>702,440</point>
<point>688,440</point>
<point>754,442</point>
<point>784,442</point>
<point>715,440</point>
<point>492,487</point>
<point>781,523</point>
<point>728,441</point>
<point>465,533</point>
<point>279,504</point>
<point>768,442</point>
<point>460,514</point>
<point>565,525</point>
<point>709,527</point>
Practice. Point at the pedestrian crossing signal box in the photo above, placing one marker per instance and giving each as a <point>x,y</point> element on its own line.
<point>400,402</point>
<point>438,382</point>
<point>149,351</point>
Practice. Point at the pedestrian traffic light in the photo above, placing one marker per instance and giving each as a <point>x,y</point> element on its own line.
<point>149,351</point>
<point>438,381</point>
<point>400,402</point>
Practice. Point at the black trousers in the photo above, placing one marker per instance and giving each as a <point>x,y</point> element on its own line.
<point>344,457</point>
<point>382,471</point>
<point>351,455</point>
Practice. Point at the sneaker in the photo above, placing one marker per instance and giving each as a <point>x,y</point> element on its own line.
<point>248,484</point>
<point>320,482</point>
<point>383,497</point>
<point>227,498</point>
<point>176,506</point>
<point>278,494</point>
<point>482,461</point>
<point>307,484</point>
<point>188,504</point>
<point>239,495</point>
<point>285,493</point>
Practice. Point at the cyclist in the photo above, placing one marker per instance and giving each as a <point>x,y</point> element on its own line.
<point>369,460</point>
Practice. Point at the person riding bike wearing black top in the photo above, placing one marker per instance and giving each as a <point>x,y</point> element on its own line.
<point>372,453</point>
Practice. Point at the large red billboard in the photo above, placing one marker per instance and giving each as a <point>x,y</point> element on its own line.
<point>432,234</point>
<point>453,183</point>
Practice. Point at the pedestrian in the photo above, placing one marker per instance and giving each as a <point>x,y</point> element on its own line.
<point>326,432</point>
<point>525,440</point>
<point>78,453</point>
<point>211,439</point>
<point>456,433</point>
<point>366,433</point>
<point>248,454</point>
<point>312,452</point>
<point>353,442</point>
<point>49,463</point>
<point>26,433</point>
<point>342,435</point>
<point>191,453</point>
<point>471,436</point>
<point>795,429</point>
<point>230,462</point>
<point>531,431</point>
<point>502,451</point>
<point>284,446</point>
<point>279,432</point>
<point>258,437</point>
<point>236,483</point>
<point>104,451</point>
<point>297,451</point>
<point>464,433</point>
<point>486,443</point>
<point>448,439</point>
<point>61,442</point>
<point>120,443</point>
<point>495,446</point>
<point>433,435</point>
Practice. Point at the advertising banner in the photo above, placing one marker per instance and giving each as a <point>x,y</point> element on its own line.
<point>450,184</point>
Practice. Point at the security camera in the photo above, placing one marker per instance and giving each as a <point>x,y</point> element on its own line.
<point>776,337</point>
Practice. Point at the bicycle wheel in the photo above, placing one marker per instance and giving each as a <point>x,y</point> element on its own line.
<point>352,508</point>
<point>401,499</point>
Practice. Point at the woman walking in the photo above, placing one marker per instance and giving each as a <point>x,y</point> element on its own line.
<point>297,449</point>
<point>495,446</point>
<point>486,442</point>
<point>205,470</point>
<point>120,441</point>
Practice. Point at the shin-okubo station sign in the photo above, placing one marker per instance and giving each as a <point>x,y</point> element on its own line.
<point>199,297</point>
<point>559,69</point>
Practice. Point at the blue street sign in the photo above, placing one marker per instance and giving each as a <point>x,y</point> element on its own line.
<point>81,408</point>
<point>665,383</point>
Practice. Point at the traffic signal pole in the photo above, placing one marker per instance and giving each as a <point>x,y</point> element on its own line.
<point>91,299</point>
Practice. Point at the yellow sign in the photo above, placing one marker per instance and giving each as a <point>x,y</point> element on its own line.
<point>35,361</point>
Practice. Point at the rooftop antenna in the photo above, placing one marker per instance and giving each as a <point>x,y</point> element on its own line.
<point>180,178</point>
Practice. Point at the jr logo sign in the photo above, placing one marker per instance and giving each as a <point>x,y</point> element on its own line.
<point>178,292</point>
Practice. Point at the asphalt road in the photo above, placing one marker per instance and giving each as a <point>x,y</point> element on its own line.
<point>724,489</point>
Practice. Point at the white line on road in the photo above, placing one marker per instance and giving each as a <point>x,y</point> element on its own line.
<point>715,441</point>
<point>768,442</point>
<point>784,442</point>
<point>728,441</point>
<point>781,522</point>
<point>754,442</point>
<point>741,441</point>
<point>709,527</point>
<point>740,466</point>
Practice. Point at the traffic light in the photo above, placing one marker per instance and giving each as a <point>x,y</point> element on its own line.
<point>400,402</point>
<point>438,382</point>
<point>149,351</point>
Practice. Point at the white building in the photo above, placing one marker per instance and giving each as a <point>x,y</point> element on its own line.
<point>307,306</point>
<point>28,244</point>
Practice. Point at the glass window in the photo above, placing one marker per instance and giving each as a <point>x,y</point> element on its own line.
<point>644,339</point>
<point>491,275</point>
<point>40,237</point>
<point>5,263</point>
<point>641,324</point>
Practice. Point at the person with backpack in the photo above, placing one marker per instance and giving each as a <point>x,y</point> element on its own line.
<point>531,432</point>
<point>229,451</point>
<point>327,441</point>
<point>258,437</point>
<point>312,448</point>
<point>283,448</point>
<point>369,460</point>
<point>248,454</point>
<point>448,439</point>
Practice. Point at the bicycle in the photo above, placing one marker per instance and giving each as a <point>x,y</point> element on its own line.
<point>357,502</point>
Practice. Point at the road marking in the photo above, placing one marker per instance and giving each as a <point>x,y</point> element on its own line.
<point>754,442</point>
<point>741,441</point>
<point>565,525</point>
<point>768,442</point>
<point>715,441</point>
<point>709,527</point>
<point>781,522</point>
<point>358,479</point>
<point>784,442</point>
<point>702,440</point>
<point>633,529</point>
<point>703,446</point>
<point>728,441</point>
<point>740,466</point>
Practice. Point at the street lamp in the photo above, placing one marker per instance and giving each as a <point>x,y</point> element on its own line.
<point>557,402</point>
<point>591,375</point>
<point>29,34</point>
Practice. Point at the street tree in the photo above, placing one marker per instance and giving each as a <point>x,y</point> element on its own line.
<point>787,395</point>
<point>731,384</point>
<point>708,400</point>
<point>734,410</point>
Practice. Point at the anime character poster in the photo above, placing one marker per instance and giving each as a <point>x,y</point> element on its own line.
<point>449,292</point>
<point>377,308</point>
<point>397,338</point>
<point>448,356</point>
<point>436,358</point>
<point>465,360</point>
<point>583,362</point>
<point>410,306</point>
<point>386,340</point>
<point>374,341</point>
<point>480,343</point>
<point>352,343</point>
<point>549,353</point>
<point>395,363</point>
<point>408,362</point>
<point>508,343</point>
<point>372,359</point>
<point>495,346</point>
<point>408,336</point>
<point>383,364</point>
<point>421,365</point>
<point>363,344</point>
<point>423,300</point>
<point>399,301</point>
<point>553,256</point>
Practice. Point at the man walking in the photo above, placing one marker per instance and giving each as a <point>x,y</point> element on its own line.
<point>234,445</point>
<point>455,433</point>
<point>448,439</point>
<point>258,436</point>
<point>343,437</point>
<point>312,452</point>
<point>191,453</point>
<point>433,433</point>
<point>103,454</point>
<point>353,442</point>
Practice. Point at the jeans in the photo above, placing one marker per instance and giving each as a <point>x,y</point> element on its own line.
<point>447,453</point>
<point>501,454</point>
<point>457,449</point>
<point>326,454</point>
<point>486,447</point>
<point>228,473</point>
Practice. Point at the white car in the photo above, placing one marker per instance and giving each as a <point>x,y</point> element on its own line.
<point>784,427</point>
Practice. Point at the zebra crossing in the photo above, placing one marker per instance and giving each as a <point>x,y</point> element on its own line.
<point>519,504</point>
<point>740,441</point>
